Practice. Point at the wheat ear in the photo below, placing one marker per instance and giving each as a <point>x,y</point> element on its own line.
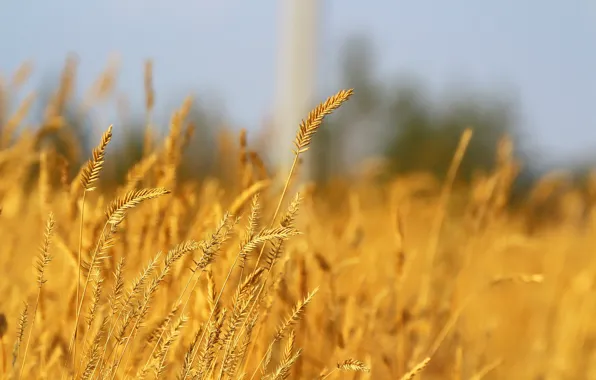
<point>416,370</point>
<point>43,260</point>
<point>348,365</point>
<point>292,319</point>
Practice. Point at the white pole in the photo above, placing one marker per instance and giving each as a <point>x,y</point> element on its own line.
<point>297,67</point>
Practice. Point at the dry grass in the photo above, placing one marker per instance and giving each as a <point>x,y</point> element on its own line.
<point>404,280</point>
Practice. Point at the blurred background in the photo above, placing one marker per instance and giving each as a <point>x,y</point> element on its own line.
<point>396,254</point>
<point>422,71</point>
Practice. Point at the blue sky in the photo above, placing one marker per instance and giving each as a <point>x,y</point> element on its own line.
<point>544,50</point>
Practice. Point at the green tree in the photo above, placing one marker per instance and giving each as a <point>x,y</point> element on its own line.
<point>412,131</point>
<point>424,135</point>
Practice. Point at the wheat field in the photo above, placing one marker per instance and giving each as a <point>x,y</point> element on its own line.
<point>272,278</point>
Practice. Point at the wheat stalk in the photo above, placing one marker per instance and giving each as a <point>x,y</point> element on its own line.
<point>88,175</point>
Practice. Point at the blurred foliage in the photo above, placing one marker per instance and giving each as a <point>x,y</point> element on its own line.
<point>416,134</point>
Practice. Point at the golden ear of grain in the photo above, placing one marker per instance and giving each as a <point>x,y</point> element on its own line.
<point>416,370</point>
<point>117,210</point>
<point>22,324</point>
<point>352,365</point>
<point>95,299</point>
<point>295,316</point>
<point>89,174</point>
<point>22,74</point>
<point>521,278</point>
<point>253,218</point>
<point>283,369</point>
<point>13,123</point>
<point>149,92</point>
<point>44,257</point>
<point>309,126</point>
<point>287,220</point>
<point>242,139</point>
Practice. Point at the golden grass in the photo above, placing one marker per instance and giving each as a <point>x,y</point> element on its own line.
<point>363,281</point>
